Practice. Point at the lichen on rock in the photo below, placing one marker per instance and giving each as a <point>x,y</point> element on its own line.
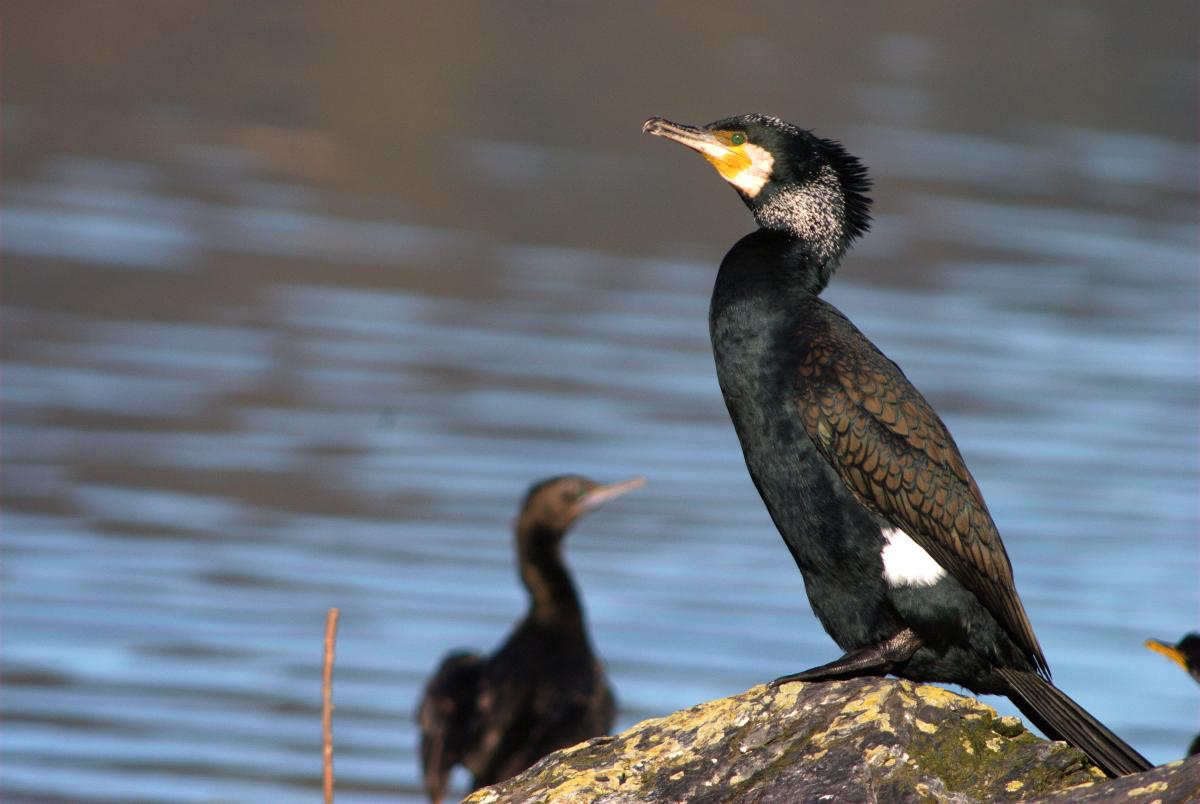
<point>848,741</point>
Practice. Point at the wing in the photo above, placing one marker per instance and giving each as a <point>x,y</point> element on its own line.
<point>529,714</point>
<point>897,458</point>
<point>537,695</point>
<point>447,717</point>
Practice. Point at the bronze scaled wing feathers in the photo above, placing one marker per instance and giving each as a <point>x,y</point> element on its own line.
<point>898,459</point>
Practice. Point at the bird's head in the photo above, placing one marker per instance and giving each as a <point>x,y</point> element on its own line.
<point>553,505</point>
<point>793,181</point>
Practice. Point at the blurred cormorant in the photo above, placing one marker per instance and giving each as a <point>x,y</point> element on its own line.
<point>544,689</point>
<point>1186,654</point>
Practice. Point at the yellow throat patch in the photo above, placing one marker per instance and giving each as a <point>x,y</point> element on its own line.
<point>746,166</point>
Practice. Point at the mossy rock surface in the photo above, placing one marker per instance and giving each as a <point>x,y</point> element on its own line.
<point>863,740</point>
<point>1173,783</point>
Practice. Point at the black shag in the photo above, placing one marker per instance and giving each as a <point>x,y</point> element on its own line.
<point>544,689</point>
<point>901,560</point>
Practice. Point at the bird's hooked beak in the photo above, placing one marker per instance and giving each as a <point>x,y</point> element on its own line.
<point>1170,651</point>
<point>691,136</point>
<point>747,167</point>
<point>724,158</point>
<point>602,494</point>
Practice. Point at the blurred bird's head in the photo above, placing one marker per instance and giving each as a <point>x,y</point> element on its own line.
<point>552,506</point>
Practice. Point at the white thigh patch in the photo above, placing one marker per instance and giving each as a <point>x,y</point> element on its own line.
<point>905,563</point>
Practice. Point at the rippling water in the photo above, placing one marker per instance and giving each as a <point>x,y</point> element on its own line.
<point>236,394</point>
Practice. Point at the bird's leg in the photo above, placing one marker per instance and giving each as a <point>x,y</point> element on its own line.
<point>873,660</point>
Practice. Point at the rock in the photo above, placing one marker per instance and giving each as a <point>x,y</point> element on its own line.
<point>1173,783</point>
<point>849,741</point>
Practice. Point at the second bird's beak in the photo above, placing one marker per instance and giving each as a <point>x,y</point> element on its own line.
<point>728,162</point>
<point>1170,651</point>
<point>602,494</point>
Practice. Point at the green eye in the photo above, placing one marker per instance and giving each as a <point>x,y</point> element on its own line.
<point>738,139</point>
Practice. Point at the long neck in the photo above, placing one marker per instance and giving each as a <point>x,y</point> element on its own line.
<point>813,215</point>
<point>764,299</point>
<point>769,268</point>
<point>553,599</point>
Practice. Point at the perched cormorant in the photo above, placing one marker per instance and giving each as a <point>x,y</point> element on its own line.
<point>544,689</point>
<point>901,560</point>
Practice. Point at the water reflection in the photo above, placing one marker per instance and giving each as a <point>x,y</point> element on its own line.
<point>236,395</point>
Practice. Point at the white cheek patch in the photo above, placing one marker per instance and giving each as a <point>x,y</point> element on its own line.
<point>905,563</point>
<point>751,180</point>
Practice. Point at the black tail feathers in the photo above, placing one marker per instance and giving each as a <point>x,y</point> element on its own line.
<point>1060,718</point>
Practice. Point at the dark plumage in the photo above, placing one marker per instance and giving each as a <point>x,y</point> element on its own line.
<point>902,562</point>
<point>544,689</point>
